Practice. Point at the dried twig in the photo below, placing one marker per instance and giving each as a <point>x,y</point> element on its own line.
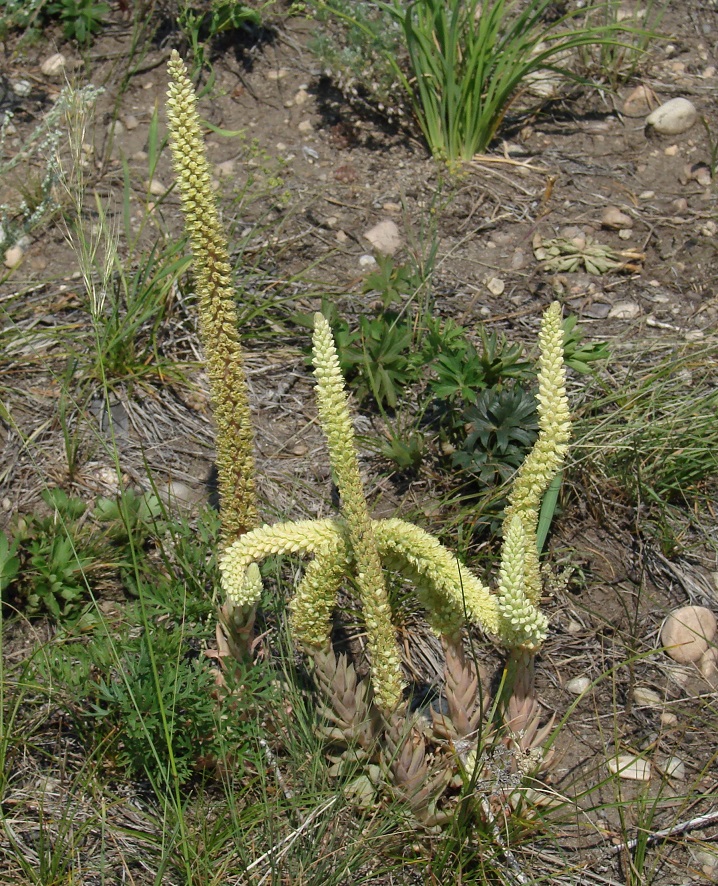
<point>691,825</point>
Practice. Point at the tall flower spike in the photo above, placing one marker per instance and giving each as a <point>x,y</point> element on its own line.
<point>546,457</point>
<point>336,423</point>
<point>217,313</point>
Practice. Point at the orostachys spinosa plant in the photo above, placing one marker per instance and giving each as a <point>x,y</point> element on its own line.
<point>370,718</point>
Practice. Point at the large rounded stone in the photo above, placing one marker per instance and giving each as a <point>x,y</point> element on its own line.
<point>673,117</point>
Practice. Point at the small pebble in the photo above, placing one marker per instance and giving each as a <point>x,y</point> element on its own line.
<point>54,65</point>
<point>668,718</point>
<point>301,97</point>
<point>131,122</point>
<point>674,768</point>
<point>156,188</point>
<point>496,286</point>
<point>615,219</point>
<point>671,150</point>
<point>644,696</point>
<point>519,260</point>
<point>115,128</point>
<point>679,205</point>
<point>13,256</point>
<point>305,126</point>
<point>624,310</point>
<point>276,74</point>
<point>577,685</point>
<point>366,261</point>
<point>22,88</point>
<point>224,169</point>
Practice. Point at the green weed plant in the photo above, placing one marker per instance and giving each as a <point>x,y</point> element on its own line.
<point>470,60</point>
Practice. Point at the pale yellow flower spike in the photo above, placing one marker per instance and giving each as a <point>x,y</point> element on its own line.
<point>217,312</point>
<point>522,625</point>
<point>545,459</point>
<point>336,423</point>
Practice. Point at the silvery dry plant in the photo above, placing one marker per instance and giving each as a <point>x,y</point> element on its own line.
<point>367,721</point>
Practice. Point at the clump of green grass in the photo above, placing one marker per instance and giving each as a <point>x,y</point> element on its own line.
<point>468,62</point>
<point>652,431</point>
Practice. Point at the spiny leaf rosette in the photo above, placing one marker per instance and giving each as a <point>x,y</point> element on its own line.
<point>355,545</point>
<point>217,313</point>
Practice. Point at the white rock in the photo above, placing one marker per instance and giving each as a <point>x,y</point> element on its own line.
<point>305,126</point>
<point>630,767</point>
<point>578,685</point>
<point>22,88</point>
<point>277,74</point>
<point>131,122</point>
<point>301,97</point>
<point>224,169</point>
<point>496,286</point>
<point>115,128</point>
<point>624,310</point>
<point>668,718</point>
<point>13,256</point>
<point>673,117</point>
<point>384,237</point>
<point>54,66</point>
<point>674,768</point>
<point>687,633</point>
<point>366,261</point>
<point>709,229</point>
<point>612,217</point>
<point>644,696</point>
